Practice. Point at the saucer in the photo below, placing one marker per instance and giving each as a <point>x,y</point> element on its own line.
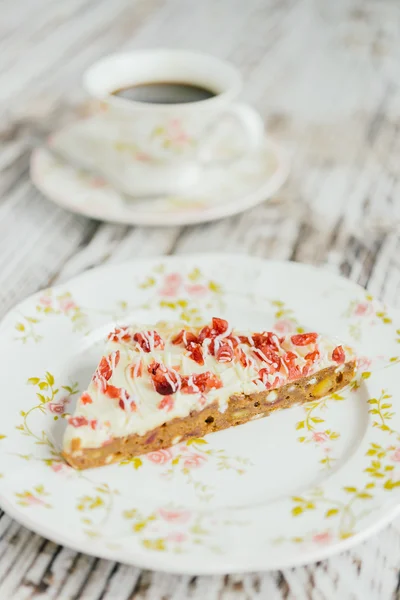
<point>223,189</point>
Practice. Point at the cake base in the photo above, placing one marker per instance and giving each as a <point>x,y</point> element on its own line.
<point>240,409</point>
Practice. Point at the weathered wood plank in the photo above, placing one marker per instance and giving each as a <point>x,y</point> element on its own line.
<point>323,75</point>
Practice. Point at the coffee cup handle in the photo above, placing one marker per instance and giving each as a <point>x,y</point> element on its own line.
<point>249,121</point>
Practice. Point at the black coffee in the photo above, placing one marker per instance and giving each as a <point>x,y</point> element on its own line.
<point>165,93</point>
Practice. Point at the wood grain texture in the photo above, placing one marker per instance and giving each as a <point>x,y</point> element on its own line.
<point>324,75</point>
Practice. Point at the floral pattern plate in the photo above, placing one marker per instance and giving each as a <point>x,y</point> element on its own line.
<point>223,190</point>
<point>289,489</point>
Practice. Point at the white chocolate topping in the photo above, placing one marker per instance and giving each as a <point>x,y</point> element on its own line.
<point>151,374</point>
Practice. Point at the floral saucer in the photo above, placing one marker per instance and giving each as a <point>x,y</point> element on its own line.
<point>293,488</point>
<point>224,188</point>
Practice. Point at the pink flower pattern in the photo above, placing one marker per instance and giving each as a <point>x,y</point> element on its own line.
<point>33,500</point>
<point>176,133</point>
<point>197,290</point>
<point>363,363</point>
<point>363,309</point>
<point>396,455</point>
<point>284,326</point>
<point>193,461</point>
<point>56,467</point>
<point>58,408</point>
<point>45,301</point>
<point>98,182</point>
<point>322,538</point>
<point>174,516</point>
<point>171,285</point>
<point>160,457</point>
<point>176,537</point>
<point>320,437</point>
<point>66,304</point>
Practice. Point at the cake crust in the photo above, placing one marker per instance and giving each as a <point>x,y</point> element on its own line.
<point>240,409</point>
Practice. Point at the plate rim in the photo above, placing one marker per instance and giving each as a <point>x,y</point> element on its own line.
<point>222,566</point>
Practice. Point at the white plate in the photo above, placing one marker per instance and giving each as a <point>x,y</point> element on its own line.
<point>222,190</point>
<point>296,487</point>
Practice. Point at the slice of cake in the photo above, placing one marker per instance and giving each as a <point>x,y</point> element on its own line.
<point>158,385</point>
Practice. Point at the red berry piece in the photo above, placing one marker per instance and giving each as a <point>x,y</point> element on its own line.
<point>338,355</point>
<point>108,364</point>
<point>224,353</point>
<point>184,337</point>
<point>86,398</point>
<point>219,326</point>
<point>149,341</point>
<point>232,340</point>
<point>200,383</point>
<point>294,370</point>
<point>312,356</point>
<point>195,352</point>
<point>112,392</point>
<point>242,358</point>
<point>244,339</point>
<point>204,334</point>
<point>165,381</point>
<point>120,334</point>
<point>303,339</point>
<point>166,403</point>
<point>136,369</point>
<point>125,401</point>
<point>78,421</point>
<point>178,339</point>
<point>267,355</point>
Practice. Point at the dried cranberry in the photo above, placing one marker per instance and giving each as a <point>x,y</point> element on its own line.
<point>195,352</point>
<point>211,347</point>
<point>259,339</point>
<point>263,376</point>
<point>86,398</point>
<point>312,356</point>
<point>303,339</point>
<point>178,339</point>
<point>200,382</point>
<point>241,356</point>
<point>167,402</point>
<point>306,369</point>
<point>78,421</point>
<point>164,380</point>
<point>294,370</point>
<point>149,340</point>
<point>108,364</point>
<point>125,401</point>
<point>184,337</point>
<point>205,333</point>
<point>273,340</point>
<point>267,355</point>
<point>219,326</point>
<point>224,353</point>
<point>338,355</point>
<point>120,334</point>
<point>136,369</point>
<point>244,339</point>
<point>112,392</point>
<point>233,340</point>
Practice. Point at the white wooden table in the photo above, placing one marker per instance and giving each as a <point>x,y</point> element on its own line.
<point>325,76</point>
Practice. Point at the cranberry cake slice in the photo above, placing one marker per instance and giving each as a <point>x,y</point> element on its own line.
<point>158,385</point>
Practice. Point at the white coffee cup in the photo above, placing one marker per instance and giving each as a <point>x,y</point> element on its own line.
<point>169,144</point>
